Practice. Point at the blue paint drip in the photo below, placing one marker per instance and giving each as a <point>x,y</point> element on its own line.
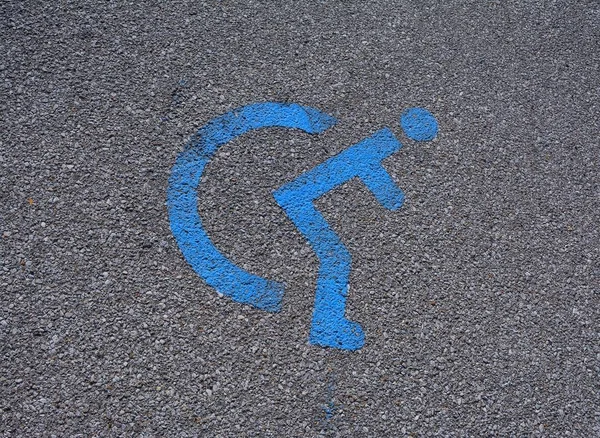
<point>329,408</point>
<point>329,326</point>
<point>419,124</point>
<point>186,225</point>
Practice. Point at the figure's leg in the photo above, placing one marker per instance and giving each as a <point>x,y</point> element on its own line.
<point>329,328</point>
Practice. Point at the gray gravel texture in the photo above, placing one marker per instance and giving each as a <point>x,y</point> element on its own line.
<point>479,297</point>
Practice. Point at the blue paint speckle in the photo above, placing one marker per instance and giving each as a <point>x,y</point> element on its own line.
<point>329,410</point>
<point>419,124</point>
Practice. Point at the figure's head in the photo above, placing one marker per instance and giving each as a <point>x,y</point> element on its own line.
<point>419,124</point>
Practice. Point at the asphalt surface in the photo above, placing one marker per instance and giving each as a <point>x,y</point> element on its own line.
<point>479,298</point>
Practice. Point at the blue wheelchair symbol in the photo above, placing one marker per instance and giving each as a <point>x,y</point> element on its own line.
<point>329,327</point>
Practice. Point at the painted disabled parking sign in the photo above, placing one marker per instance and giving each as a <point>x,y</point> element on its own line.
<point>329,326</point>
